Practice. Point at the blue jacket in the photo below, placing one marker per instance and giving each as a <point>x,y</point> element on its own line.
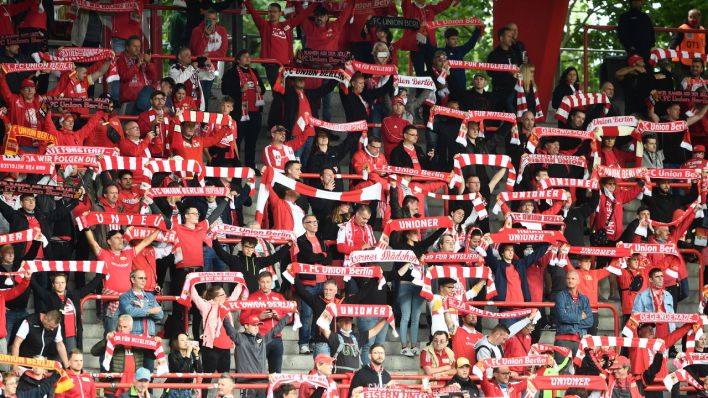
<point>645,303</point>
<point>127,306</point>
<point>569,315</point>
<point>499,269</point>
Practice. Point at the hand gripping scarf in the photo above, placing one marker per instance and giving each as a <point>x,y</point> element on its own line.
<point>638,318</point>
<point>522,106</point>
<point>531,360</point>
<point>458,273</point>
<point>577,161</point>
<point>134,341</point>
<point>356,311</point>
<point>466,159</point>
<point>101,218</point>
<point>580,100</point>
<point>328,270</point>
<point>697,331</point>
<point>539,133</point>
<point>195,278</point>
<point>318,381</point>
<point>658,54</point>
<point>553,194</point>
<point>655,345</point>
<point>64,383</point>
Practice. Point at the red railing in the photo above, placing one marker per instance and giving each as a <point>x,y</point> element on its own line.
<point>537,304</point>
<point>115,297</point>
<point>587,28</point>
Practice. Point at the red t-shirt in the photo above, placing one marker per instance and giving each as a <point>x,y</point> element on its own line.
<point>443,359</point>
<point>119,267</point>
<point>268,324</point>
<point>191,241</point>
<point>145,260</point>
<point>513,285</point>
<point>69,317</point>
<point>463,342</point>
<point>588,283</point>
<point>414,157</point>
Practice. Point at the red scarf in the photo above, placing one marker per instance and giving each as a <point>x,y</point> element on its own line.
<point>249,96</point>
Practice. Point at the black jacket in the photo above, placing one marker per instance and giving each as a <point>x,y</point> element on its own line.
<point>29,387</point>
<point>503,82</point>
<point>250,266</point>
<point>561,90</point>
<point>368,377</point>
<point>399,157</point>
<point>636,33</point>
<point>663,205</point>
<point>180,364</point>
<point>466,385</point>
<point>306,256</point>
<point>232,87</point>
<point>52,301</point>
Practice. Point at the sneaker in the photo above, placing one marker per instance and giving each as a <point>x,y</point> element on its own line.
<point>415,351</point>
<point>304,349</point>
<point>408,352</point>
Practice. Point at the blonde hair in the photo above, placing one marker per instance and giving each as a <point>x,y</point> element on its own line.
<point>526,71</point>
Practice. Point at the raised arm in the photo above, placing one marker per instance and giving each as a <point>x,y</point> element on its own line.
<point>95,247</point>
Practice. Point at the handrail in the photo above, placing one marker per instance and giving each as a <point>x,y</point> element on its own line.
<point>538,304</point>
<point>586,39</point>
<point>114,297</point>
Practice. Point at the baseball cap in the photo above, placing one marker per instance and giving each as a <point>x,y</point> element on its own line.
<point>28,83</point>
<point>620,361</point>
<point>482,75</point>
<point>699,148</point>
<point>633,59</point>
<point>462,361</point>
<point>323,358</point>
<point>142,374</point>
<point>251,320</point>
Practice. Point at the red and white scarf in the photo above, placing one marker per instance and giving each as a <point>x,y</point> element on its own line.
<point>80,160</point>
<point>565,382</point>
<point>581,100</point>
<point>187,191</point>
<point>81,150</point>
<point>521,104</point>
<point>535,219</point>
<point>436,175</point>
<point>445,111</point>
<point>458,273</point>
<point>620,173</point>
<point>405,224</point>
<point>120,7</point>
<point>373,69</point>
<point>351,272</point>
<point>100,218</point>
<point>40,189</point>
<point>520,235</point>
<point>98,267</point>
<point>459,258</point>
<point>350,127</point>
<point>531,360</point>
<point>338,75</point>
<point>78,55</point>
<point>540,132</point>
<point>380,256</point>
<point>15,166</point>
<point>356,311</point>
<point>656,345</point>
<point>400,392</point>
<point>577,161</point>
<point>638,318</point>
<point>172,166</point>
<point>668,127</point>
<point>33,67</point>
<point>317,381</point>
<point>658,54</point>
<point>612,121</point>
<point>247,78</point>
<point>246,173</point>
<point>467,308</point>
<point>470,21</point>
<point>569,183</point>
<point>679,376</point>
<point>511,68</point>
<point>289,307</point>
<point>27,235</point>
<point>107,163</point>
<point>268,234</point>
<point>134,341</point>
<point>195,278</point>
<point>140,233</point>
<point>418,82</point>
<point>552,194</point>
<point>480,117</point>
<point>477,199</point>
<point>469,159</point>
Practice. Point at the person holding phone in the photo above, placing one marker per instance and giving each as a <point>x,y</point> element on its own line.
<point>184,358</point>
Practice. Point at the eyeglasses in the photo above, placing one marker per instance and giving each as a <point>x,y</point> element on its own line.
<point>248,247</point>
<point>159,99</point>
<point>375,147</point>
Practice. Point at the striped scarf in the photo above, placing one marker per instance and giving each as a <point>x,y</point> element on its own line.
<point>521,104</point>
<point>581,100</point>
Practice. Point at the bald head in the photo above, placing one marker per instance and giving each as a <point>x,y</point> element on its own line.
<point>132,130</point>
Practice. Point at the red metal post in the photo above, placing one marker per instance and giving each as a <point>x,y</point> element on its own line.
<point>585,58</point>
<point>156,37</point>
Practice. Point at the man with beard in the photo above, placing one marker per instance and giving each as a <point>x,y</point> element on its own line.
<point>373,374</point>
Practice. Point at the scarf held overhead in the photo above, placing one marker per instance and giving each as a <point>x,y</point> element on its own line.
<point>195,278</point>
<point>333,311</point>
<point>101,218</point>
<point>133,341</point>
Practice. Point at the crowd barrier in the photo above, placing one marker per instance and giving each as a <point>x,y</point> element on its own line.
<point>586,31</point>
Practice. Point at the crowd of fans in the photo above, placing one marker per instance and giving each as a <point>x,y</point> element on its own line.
<point>77,171</point>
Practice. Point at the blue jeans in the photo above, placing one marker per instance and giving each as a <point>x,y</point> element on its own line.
<point>304,151</point>
<point>378,112</point>
<point>274,354</point>
<point>12,318</point>
<point>327,107</point>
<point>365,324</point>
<point>320,348</point>
<point>206,92</point>
<point>306,315</point>
<point>410,301</point>
<point>212,262</point>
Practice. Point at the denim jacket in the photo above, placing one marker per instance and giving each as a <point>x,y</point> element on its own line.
<point>645,303</point>
<point>128,305</point>
<point>569,315</point>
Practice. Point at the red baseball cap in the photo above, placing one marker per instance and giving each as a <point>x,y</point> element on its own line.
<point>633,59</point>
<point>699,148</point>
<point>250,320</point>
<point>620,361</point>
<point>28,83</point>
<point>323,358</point>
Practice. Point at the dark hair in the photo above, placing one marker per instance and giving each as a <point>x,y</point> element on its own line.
<point>110,184</point>
<point>240,53</point>
<point>441,333</point>
<point>377,345</point>
<point>654,271</point>
<point>211,291</point>
<point>365,208</point>
<point>502,31</point>
<point>578,392</point>
<point>178,86</point>
<point>75,351</point>
<point>132,38</point>
<point>647,137</point>
<point>289,164</point>
<point>122,173</point>
<point>375,139</point>
<point>156,93</point>
<point>408,127</point>
<point>226,99</point>
<point>322,170</point>
<point>264,274</point>
<point>58,274</point>
<point>643,208</point>
<point>112,233</point>
<point>249,240</point>
<point>283,390</point>
<point>169,81</point>
<point>408,199</point>
<point>276,5</point>
<point>450,32</point>
<point>357,75</point>
<point>566,72</point>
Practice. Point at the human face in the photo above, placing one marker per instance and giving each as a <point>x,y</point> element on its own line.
<point>180,94</point>
<point>611,185</point>
<point>508,253</point>
<point>447,245</point>
<point>479,82</point>
<point>141,386</point>
<point>571,78</point>
<point>139,280</point>
<point>185,57</point>
<point>526,207</point>
<point>447,289</point>
<point>59,284</point>
<point>470,320</point>
<point>527,121</point>
<point>252,328</point>
<point>452,41</point>
<point>323,140</point>
<point>225,387</point>
<point>362,217</point>
<point>191,216</point>
<point>311,224</point>
<point>327,176</point>
<point>244,60</point>
<point>658,280</point>
<point>358,85</point>
<point>578,119</point>
<point>633,262</point>
<point>28,92</point>
<point>701,342</point>
<point>473,184</point>
<point>650,145</point>
<point>264,284</point>
<point>158,102</point>
<point>622,372</point>
<point>458,216</point>
<point>324,368</point>
<point>674,112</point>
<point>413,207</point>
<point>292,394</point>
<point>439,61</point>
<point>182,342</point>
<point>344,324</point>
<point>9,386</point>
<point>8,257</point>
<point>329,291</point>
<point>572,280</point>
<point>247,249</point>
<point>553,148</point>
<point>126,182</point>
<point>166,88</point>
<point>502,375</point>
<point>132,131</point>
<point>411,136</point>
<point>188,129</point>
<point>76,362</point>
<point>664,185</point>
<point>609,89</point>
<point>696,69</point>
<point>585,264</point>
<point>133,48</point>
<point>377,356</point>
<point>661,232</point>
<point>609,142</point>
<point>295,171</point>
<point>49,325</point>
<point>220,297</point>
<point>439,342</point>
<point>321,20</point>
<point>12,50</point>
<point>29,203</point>
<point>123,326</point>
<point>274,14</point>
<point>278,136</point>
<point>507,39</point>
<point>474,241</point>
<point>67,123</point>
<point>646,332</point>
<point>81,73</point>
<point>111,194</point>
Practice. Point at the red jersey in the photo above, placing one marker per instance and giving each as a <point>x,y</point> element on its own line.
<point>7,11</point>
<point>424,13</point>
<point>130,201</point>
<point>148,121</point>
<point>21,112</point>
<point>126,24</point>
<point>84,386</point>
<point>119,267</point>
<point>133,76</point>
<point>191,243</point>
<point>145,260</point>
<point>491,388</point>
<point>277,157</point>
<point>36,16</point>
<point>192,148</point>
<point>363,158</point>
<point>71,87</point>
<point>463,342</point>
<point>442,356</point>
<point>268,324</point>
<point>277,38</point>
<point>517,346</point>
<point>69,312</point>
<point>215,44</point>
<point>392,132</point>
<point>514,293</point>
<point>327,37</point>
